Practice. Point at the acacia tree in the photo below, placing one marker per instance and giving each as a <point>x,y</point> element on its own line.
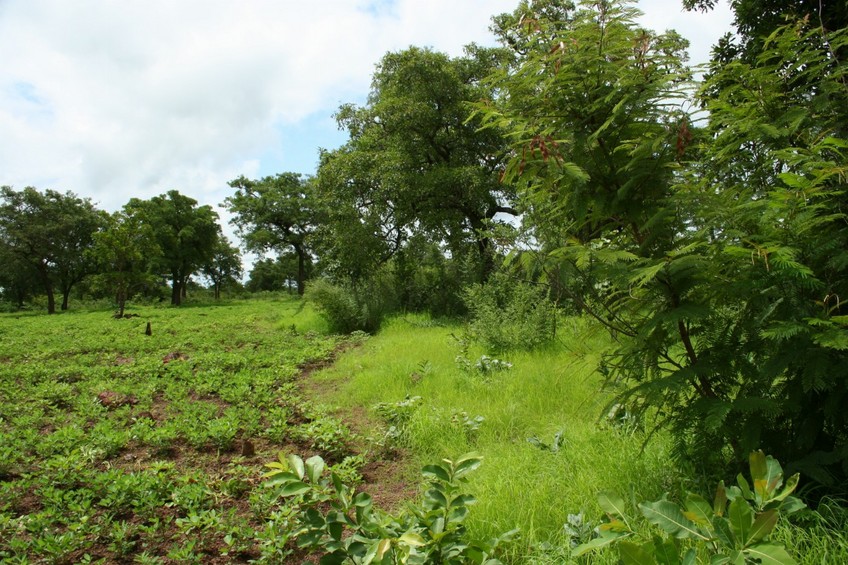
<point>48,233</point>
<point>714,257</point>
<point>185,233</point>
<point>276,213</point>
<point>415,162</point>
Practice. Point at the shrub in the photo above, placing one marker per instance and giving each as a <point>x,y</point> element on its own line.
<point>346,310</point>
<point>509,314</point>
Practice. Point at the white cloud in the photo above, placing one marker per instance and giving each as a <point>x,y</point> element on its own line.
<point>115,99</point>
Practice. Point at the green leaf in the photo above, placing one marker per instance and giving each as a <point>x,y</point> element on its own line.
<point>606,538</point>
<point>690,558</point>
<point>362,499</point>
<point>723,533</point>
<point>336,529</point>
<point>295,488</point>
<point>770,554</point>
<point>741,519</point>
<point>744,487</point>
<point>789,488</point>
<point>766,474</point>
<point>792,504</point>
<point>698,510</point>
<point>763,525</point>
<point>611,503</point>
<point>720,501</point>
<point>295,464</point>
<point>412,539</point>
<point>314,468</point>
<point>382,548</point>
<point>666,552</point>
<point>633,554</point>
<point>437,472</point>
<point>670,519</point>
<point>467,463</point>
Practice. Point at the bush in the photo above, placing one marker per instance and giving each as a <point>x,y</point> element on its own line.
<point>344,309</point>
<point>509,314</point>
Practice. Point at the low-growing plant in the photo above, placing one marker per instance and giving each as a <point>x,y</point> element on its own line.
<point>554,447</point>
<point>326,434</point>
<point>352,530</point>
<point>735,528</point>
<point>466,425</point>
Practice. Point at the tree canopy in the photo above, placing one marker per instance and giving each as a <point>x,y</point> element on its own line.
<point>185,233</point>
<point>46,235</point>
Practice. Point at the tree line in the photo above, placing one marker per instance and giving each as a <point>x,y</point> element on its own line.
<point>701,221</point>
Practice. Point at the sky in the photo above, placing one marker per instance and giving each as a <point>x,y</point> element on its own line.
<point>114,99</point>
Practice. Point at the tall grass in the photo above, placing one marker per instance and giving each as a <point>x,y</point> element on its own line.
<point>544,393</point>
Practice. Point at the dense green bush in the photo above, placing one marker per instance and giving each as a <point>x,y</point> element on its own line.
<point>347,309</point>
<point>510,314</point>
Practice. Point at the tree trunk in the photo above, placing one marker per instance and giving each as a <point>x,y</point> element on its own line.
<point>48,288</point>
<point>65,293</point>
<point>51,300</point>
<point>122,301</point>
<point>176,291</point>
<point>301,270</point>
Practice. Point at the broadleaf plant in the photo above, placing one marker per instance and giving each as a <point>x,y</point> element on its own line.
<point>736,528</point>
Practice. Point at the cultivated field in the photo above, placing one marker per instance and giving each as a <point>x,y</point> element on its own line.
<point>119,446</point>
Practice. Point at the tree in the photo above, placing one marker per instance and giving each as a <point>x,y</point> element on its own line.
<point>276,213</point>
<point>17,278</point>
<point>124,251</point>
<point>272,275</point>
<point>769,196</point>
<point>48,233</point>
<point>224,266</point>
<point>714,256</point>
<point>185,233</point>
<point>415,162</point>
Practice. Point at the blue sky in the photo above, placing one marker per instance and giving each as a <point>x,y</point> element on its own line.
<point>113,100</point>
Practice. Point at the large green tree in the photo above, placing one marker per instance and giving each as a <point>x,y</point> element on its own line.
<point>185,233</point>
<point>124,252</point>
<point>415,162</point>
<point>48,234</point>
<point>715,256</point>
<point>276,213</point>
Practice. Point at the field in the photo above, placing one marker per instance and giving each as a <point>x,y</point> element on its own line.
<point>117,446</point>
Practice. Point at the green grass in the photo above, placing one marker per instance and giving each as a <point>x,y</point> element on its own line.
<point>544,393</point>
<point>556,390</point>
<point>117,446</point>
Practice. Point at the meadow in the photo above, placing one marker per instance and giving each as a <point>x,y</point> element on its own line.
<point>117,446</point>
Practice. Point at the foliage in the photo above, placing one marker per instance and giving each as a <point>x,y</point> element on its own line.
<point>46,235</point>
<point>113,445</point>
<point>186,234</point>
<point>346,309</point>
<point>735,528</point>
<point>223,267</point>
<point>123,252</point>
<point>414,164</point>
<point>276,213</point>
<point>352,530</point>
<point>508,314</point>
<point>714,257</point>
